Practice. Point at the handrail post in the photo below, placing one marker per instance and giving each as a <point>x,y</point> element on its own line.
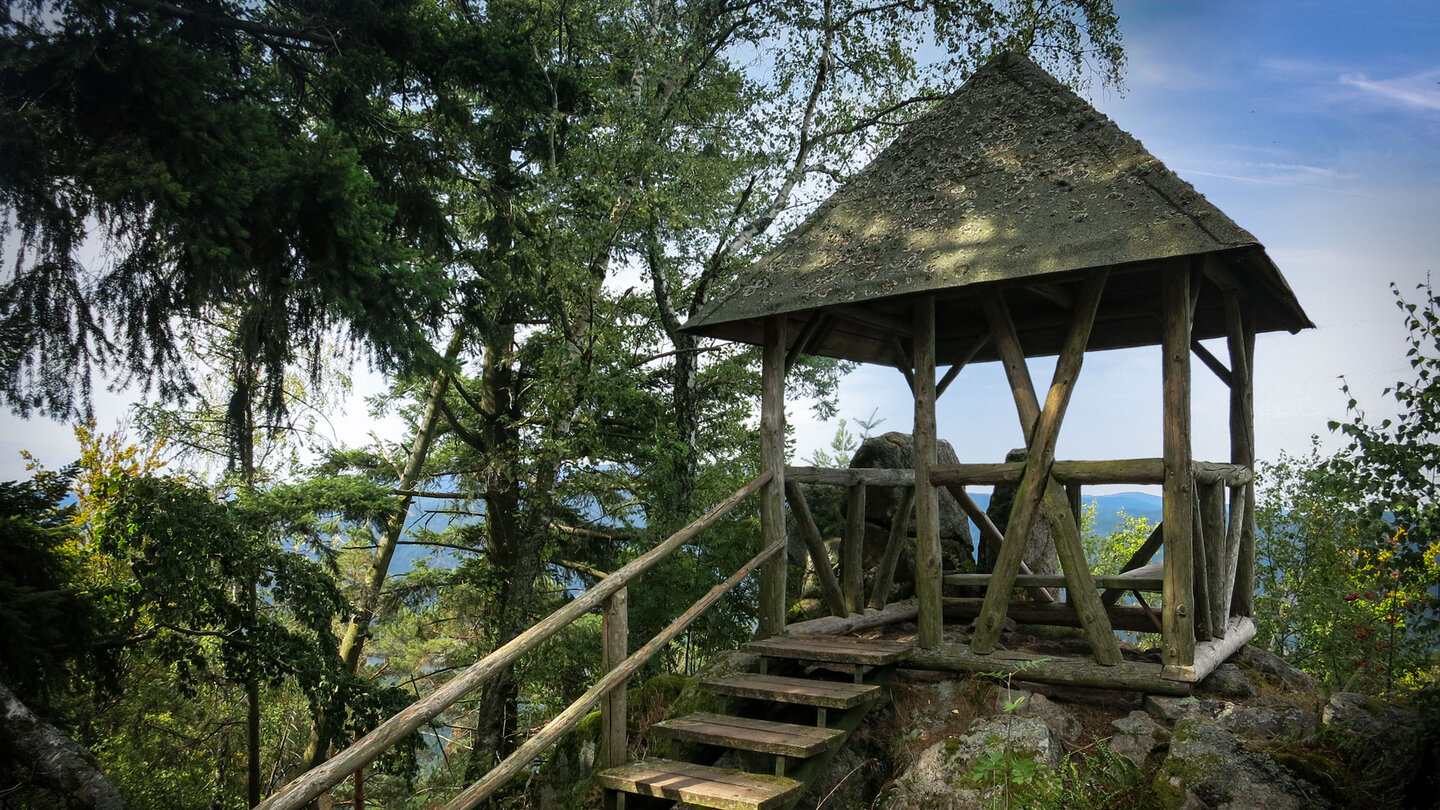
<point>615,634</point>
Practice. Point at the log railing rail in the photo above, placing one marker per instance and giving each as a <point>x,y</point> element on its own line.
<point>608,592</point>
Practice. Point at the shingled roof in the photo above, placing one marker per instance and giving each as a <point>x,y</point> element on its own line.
<point>1013,180</point>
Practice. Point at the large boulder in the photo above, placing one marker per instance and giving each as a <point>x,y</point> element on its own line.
<point>896,451</point>
<point>1040,554</point>
<point>1208,767</point>
<point>950,774</point>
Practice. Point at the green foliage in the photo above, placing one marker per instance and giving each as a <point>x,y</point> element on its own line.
<point>1328,598</point>
<point>1389,471</point>
<point>47,625</point>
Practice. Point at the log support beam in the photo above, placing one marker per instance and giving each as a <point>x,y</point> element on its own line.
<point>927,504</point>
<point>772,460</point>
<point>1177,612</point>
<point>1037,488</point>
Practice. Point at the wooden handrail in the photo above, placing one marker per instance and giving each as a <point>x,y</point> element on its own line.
<point>305,788</point>
<point>615,678</point>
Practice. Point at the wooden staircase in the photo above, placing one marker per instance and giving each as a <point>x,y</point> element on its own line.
<point>793,715</point>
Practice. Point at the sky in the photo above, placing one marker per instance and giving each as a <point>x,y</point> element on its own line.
<point>1314,125</point>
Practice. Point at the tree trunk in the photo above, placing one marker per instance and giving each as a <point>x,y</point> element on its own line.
<point>56,761</point>
<point>358,628</point>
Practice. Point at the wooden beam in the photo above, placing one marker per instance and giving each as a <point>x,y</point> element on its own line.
<point>810,534</point>
<point>772,460</point>
<point>1116,471</point>
<point>1131,675</point>
<point>885,571</point>
<point>850,476</point>
<point>1210,654</point>
<point>1217,564</point>
<point>1132,618</point>
<point>1141,557</point>
<point>852,549</point>
<point>1211,361</point>
<point>807,336</point>
<point>1239,505</point>
<point>927,505</point>
<point>902,362</point>
<point>991,536</point>
<point>1053,293</point>
<point>1177,608</point>
<point>869,316</point>
<point>615,648</point>
<point>960,363</point>
<point>1200,569</point>
<point>893,613</point>
<point>1240,328</point>
<point>1036,486</point>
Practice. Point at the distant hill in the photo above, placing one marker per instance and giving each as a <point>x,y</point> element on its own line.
<point>1109,507</point>
<point>1107,518</point>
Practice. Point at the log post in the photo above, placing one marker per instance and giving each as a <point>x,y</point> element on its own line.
<point>1178,609</point>
<point>1042,429</point>
<point>927,503</point>
<point>615,648</point>
<point>852,549</point>
<point>1212,521</point>
<point>772,460</point>
<point>885,571</point>
<point>1241,341</point>
<point>1199,560</point>
<point>810,534</point>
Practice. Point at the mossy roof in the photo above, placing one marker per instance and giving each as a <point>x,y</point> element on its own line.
<point>1014,180</point>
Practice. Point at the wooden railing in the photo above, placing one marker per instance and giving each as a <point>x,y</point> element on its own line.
<point>1213,579</point>
<point>609,592</point>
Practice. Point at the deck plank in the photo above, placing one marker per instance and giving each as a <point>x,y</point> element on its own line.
<point>717,788</point>
<point>749,734</point>
<point>804,691</point>
<point>833,649</point>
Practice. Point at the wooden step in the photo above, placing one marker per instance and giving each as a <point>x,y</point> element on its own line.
<point>805,691</point>
<point>748,734</point>
<point>833,649</point>
<point>700,785</point>
<point>1147,578</point>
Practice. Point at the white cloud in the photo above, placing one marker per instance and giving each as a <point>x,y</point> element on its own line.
<point>1420,91</point>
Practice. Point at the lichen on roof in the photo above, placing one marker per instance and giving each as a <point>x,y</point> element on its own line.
<point>1012,177</point>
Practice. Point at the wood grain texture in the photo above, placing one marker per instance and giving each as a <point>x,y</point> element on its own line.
<point>1178,603</point>
<point>700,785</point>
<point>750,734</point>
<point>928,562</point>
<point>852,550</point>
<point>802,691</point>
<point>1131,675</point>
<point>833,649</point>
<point>885,570</point>
<point>772,460</point>
<point>615,636</point>
<point>815,544</point>
<point>1036,486</point>
<point>1240,327</point>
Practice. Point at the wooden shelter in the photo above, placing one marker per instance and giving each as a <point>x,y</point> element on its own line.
<point>1016,221</point>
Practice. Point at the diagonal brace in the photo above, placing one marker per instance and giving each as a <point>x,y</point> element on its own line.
<point>1036,486</point>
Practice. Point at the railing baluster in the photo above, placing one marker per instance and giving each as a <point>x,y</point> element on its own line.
<point>615,633</point>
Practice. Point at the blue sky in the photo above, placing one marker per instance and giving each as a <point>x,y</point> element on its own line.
<point>1314,125</point>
